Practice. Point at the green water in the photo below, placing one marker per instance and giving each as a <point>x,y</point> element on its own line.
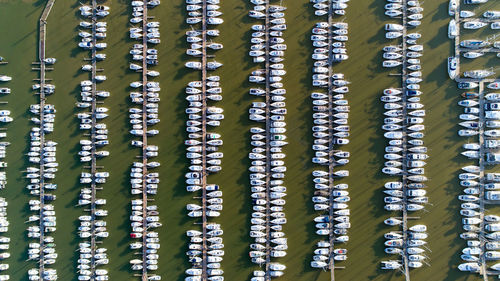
<point>18,19</point>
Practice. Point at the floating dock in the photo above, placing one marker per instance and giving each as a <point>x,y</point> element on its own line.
<point>41,57</point>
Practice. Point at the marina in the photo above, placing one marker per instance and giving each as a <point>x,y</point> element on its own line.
<point>268,166</point>
<point>92,226</point>
<point>331,132</point>
<point>478,120</point>
<point>42,155</point>
<point>206,248</point>
<point>4,222</point>
<point>406,154</point>
<point>366,142</point>
<point>144,178</point>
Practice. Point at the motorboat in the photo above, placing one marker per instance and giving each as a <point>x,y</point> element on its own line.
<point>470,95</point>
<point>391,63</point>
<point>391,265</point>
<point>468,103</point>
<point>474,44</point>
<point>452,7</point>
<point>494,85</point>
<point>392,55</point>
<point>5,78</point>
<point>492,96</point>
<point>467,14</point>
<point>393,34</point>
<point>452,29</point>
<point>474,24</point>
<point>470,267</point>
<point>392,92</point>
<point>393,13</point>
<point>391,48</point>
<point>473,55</point>
<point>468,117</point>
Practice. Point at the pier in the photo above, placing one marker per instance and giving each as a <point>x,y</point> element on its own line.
<point>459,50</point>
<point>42,82</point>
<point>146,187</point>
<point>144,276</point>
<point>204,173</point>
<point>407,169</point>
<point>484,272</point>
<point>331,159</point>
<point>331,131</point>
<point>482,259</point>
<point>331,147</point>
<point>93,156</point>
<point>204,161</point>
<point>263,249</point>
<point>268,121</point>
<point>93,149</point>
<point>404,178</point>
<point>483,150</point>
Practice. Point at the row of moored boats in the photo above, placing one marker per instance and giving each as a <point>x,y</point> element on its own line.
<point>268,168</point>
<point>206,247</point>
<point>405,153</point>
<point>474,47</point>
<point>40,173</point>
<point>143,115</point>
<point>92,228</point>
<point>4,223</point>
<point>330,132</point>
<point>481,120</point>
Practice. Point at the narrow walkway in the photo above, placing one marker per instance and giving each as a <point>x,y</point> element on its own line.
<point>41,56</point>
<point>204,173</point>
<point>93,156</point>
<point>331,138</point>
<point>404,179</point>
<point>265,177</point>
<point>411,173</point>
<point>144,139</point>
<point>482,156</point>
<point>458,51</point>
<point>268,143</point>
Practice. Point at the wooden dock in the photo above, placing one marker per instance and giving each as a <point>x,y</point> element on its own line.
<point>204,173</point>
<point>331,148</point>
<point>484,272</point>
<point>331,138</point>
<point>268,121</point>
<point>41,57</point>
<point>482,259</point>
<point>144,76</point>
<point>405,174</point>
<point>458,51</point>
<point>93,163</point>
<point>404,178</point>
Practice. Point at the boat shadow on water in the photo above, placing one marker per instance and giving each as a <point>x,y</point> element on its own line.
<point>442,34</point>
<point>376,8</point>
<point>380,255</point>
<point>453,188</point>
<point>246,206</point>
